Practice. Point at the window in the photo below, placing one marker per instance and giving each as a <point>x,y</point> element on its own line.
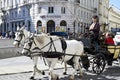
<point>12,15</point>
<point>50,9</point>
<point>63,10</point>
<point>29,25</point>
<point>0,4</point>
<point>78,1</point>
<point>39,9</point>
<point>81,13</point>
<point>84,14</point>
<point>23,12</point>
<point>19,13</point>
<point>15,13</point>
<point>24,1</point>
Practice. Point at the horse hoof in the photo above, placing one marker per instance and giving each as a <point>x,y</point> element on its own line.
<point>80,76</point>
<point>64,73</point>
<point>32,78</point>
<point>55,77</point>
<point>71,77</point>
<point>43,73</point>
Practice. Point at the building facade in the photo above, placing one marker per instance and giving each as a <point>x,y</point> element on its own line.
<point>47,15</point>
<point>114,19</point>
<point>103,13</point>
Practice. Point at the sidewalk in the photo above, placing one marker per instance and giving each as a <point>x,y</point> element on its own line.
<point>21,64</point>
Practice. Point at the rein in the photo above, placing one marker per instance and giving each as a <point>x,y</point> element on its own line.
<point>43,53</point>
<point>51,43</point>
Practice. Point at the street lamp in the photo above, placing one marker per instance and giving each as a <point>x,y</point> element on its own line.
<point>74,28</point>
<point>4,18</point>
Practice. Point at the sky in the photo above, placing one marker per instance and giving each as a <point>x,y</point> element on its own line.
<point>116,3</point>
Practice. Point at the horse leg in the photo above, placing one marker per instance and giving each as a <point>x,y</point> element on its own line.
<point>65,68</point>
<point>77,68</point>
<point>52,63</point>
<point>35,60</point>
<point>35,66</point>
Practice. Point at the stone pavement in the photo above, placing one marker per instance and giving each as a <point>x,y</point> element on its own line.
<point>7,49</point>
<point>21,64</point>
<point>20,68</point>
<point>4,43</point>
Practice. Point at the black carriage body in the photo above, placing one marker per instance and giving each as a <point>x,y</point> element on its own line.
<point>97,58</point>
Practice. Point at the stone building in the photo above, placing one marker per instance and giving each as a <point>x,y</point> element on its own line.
<point>114,19</point>
<point>47,15</point>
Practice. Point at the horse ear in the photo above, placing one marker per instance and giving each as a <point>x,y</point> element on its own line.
<point>18,27</point>
<point>29,34</point>
<point>22,28</point>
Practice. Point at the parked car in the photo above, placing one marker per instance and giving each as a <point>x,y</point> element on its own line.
<point>60,34</point>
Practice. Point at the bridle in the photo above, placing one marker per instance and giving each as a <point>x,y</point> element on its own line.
<point>30,45</point>
<point>21,35</point>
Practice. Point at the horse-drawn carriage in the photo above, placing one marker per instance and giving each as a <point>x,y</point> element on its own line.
<point>97,58</point>
<point>105,55</point>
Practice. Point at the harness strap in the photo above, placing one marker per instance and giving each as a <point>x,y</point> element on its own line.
<point>27,49</point>
<point>52,43</point>
<point>21,35</point>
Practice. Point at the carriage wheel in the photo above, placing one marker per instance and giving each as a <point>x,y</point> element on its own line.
<point>98,64</point>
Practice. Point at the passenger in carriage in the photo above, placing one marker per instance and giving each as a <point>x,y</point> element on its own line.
<point>95,28</point>
<point>109,39</point>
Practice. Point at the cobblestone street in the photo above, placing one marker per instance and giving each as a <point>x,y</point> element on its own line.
<point>111,73</point>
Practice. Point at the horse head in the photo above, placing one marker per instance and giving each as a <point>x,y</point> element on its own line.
<point>28,45</point>
<point>19,36</point>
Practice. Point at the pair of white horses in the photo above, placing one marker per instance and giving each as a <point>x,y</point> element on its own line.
<point>43,43</point>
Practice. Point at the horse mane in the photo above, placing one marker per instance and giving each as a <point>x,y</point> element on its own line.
<point>42,37</point>
<point>26,32</point>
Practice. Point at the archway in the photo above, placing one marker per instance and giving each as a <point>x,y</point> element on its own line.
<point>39,26</point>
<point>50,26</point>
<point>63,25</point>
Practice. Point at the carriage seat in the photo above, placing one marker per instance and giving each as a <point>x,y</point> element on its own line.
<point>113,49</point>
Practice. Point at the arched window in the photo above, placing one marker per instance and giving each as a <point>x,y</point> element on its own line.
<point>39,26</point>
<point>50,26</point>
<point>63,26</point>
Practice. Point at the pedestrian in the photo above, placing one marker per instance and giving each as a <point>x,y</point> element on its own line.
<point>10,34</point>
<point>13,35</point>
<point>95,28</point>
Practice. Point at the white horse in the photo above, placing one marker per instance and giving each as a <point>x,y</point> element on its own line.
<point>20,36</point>
<point>50,47</point>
